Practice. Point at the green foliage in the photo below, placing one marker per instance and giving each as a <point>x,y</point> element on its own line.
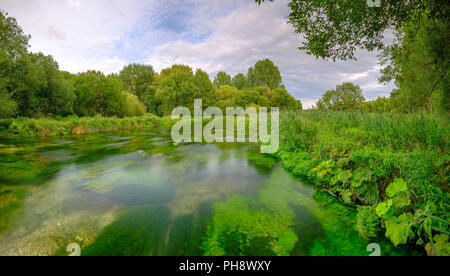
<point>346,97</point>
<point>264,73</point>
<point>136,78</point>
<point>13,41</point>
<point>8,108</point>
<point>336,29</point>
<point>367,222</point>
<point>394,165</point>
<point>397,187</point>
<point>11,199</point>
<point>75,126</point>
<point>221,79</point>
<point>205,88</point>
<point>134,106</point>
<point>240,81</point>
<point>32,85</point>
<point>281,98</point>
<point>98,94</point>
<point>440,246</point>
<point>47,91</point>
<point>398,229</point>
<point>243,226</point>
<point>380,105</point>
<point>176,87</point>
<point>384,209</point>
<point>418,64</point>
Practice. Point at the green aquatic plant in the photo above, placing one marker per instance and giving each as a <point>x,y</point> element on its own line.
<point>262,161</point>
<point>139,231</point>
<point>338,227</point>
<point>368,223</point>
<point>245,226</point>
<point>270,223</point>
<point>237,227</point>
<point>187,232</point>
<point>11,199</point>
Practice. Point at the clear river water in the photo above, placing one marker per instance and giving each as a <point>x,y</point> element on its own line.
<point>138,193</point>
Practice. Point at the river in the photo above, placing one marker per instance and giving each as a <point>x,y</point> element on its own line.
<point>138,193</point>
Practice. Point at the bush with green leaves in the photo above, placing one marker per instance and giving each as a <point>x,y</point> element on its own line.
<point>393,166</point>
<point>134,106</point>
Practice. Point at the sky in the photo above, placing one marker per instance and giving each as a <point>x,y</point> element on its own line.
<point>214,35</point>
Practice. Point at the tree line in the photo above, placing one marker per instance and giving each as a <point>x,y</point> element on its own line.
<point>31,85</point>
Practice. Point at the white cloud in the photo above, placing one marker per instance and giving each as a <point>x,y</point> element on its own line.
<point>79,34</point>
<point>252,33</point>
<point>106,65</point>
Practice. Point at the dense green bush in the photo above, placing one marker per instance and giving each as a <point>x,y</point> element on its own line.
<point>363,157</point>
<point>8,107</point>
<point>134,106</point>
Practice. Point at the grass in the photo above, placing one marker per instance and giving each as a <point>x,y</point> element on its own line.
<point>357,156</point>
<point>73,125</point>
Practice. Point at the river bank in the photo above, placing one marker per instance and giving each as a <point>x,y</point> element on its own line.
<point>392,167</point>
<point>49,127</point>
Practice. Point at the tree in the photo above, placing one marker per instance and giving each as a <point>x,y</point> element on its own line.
<point>336,29</point>
<point>150,100</point>
<point>240,81</point>
<point>419,66</point>
<point>282,99</point>
<point>380,105</point>
<point>113,99</point>
<point>346,97</point>
<point>205,88</point>
<point>8,107</point>
<point>134,106</point>
<point>13,41</point>
<point>98,94</point>
<point>264,73</point>
<point>30,83</point>
<point>46,91</point>
<point>13,49</point>
<point>226,96</point>
<point>222,78</point>
<point>176,87</point>
<point>11,82</point>
<point>136,78</point>
<point>246,97</point>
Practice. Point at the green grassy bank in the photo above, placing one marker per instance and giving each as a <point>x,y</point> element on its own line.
<point>393,168</point>
<point>76,126</point>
